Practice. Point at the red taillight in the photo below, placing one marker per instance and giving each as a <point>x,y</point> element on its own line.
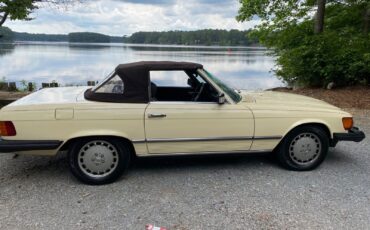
<point>7,128</point>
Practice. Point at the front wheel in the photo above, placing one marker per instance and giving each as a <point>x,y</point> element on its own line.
<point>304,148</point>
<point>98,160</point>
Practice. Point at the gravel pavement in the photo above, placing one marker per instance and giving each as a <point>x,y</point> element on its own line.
<point>233,192</point>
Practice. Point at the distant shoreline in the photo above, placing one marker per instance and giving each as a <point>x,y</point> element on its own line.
<point>206,37</point>
<point>20,42</point>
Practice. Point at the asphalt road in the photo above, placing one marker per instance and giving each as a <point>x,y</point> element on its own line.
<point>248,192</point>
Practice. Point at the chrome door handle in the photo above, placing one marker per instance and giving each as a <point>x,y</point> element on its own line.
<point>156,115</point>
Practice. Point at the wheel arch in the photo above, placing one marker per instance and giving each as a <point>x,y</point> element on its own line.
<point>66,145</point>
<point>316,123</point>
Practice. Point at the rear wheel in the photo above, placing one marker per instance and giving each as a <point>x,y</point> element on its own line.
<point>304,148</point>
<point>98,160</point>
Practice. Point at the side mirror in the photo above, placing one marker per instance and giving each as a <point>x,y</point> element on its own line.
<point>221,99</point>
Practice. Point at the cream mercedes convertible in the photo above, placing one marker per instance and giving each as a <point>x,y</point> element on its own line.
<point>169,108</point>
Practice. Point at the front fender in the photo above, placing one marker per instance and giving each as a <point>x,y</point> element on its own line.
<point>308,122</point>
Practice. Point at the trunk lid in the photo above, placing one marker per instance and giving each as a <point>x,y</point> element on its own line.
<point>50,96</point>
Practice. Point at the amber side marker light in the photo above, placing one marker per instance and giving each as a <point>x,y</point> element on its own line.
<point>347,123</point>
<point>7,129</point>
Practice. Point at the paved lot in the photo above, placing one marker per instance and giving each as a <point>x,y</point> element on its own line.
<point>249,192</point>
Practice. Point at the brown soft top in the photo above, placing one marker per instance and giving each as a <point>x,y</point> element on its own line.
<point>136,79</point>
<point>158,65</point>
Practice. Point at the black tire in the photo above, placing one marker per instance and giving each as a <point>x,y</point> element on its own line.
<point>120,155</point>
<point>314,144</point>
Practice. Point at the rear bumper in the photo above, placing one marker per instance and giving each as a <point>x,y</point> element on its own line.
<point>7,146</point>
<point>354,134</point>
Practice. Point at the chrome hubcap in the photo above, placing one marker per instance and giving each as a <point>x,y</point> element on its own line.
<point>98,158</point>
<point>305,148</point>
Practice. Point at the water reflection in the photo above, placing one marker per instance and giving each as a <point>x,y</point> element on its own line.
<point>6,48</point>
<point>82,46</point>
<point>243,68</point>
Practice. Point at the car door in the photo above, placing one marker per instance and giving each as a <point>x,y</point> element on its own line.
<point>191,127</point>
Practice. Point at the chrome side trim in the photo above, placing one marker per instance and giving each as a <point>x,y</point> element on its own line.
<point>157,140</point>
<point>208,153</point>
<point>268,138</point>
<point>139,141</point>
<point>182,103</point>
<point>237,138</point>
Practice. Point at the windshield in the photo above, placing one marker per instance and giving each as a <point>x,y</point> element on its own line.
<point>103,82</point>
<point>228,90</point>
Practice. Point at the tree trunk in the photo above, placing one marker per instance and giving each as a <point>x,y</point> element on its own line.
<point>320,16</point>
<point>367,21</point>
<point>3,19</point>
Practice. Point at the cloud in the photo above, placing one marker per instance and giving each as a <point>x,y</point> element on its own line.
<point>149,2</point>
<point>124,17</point>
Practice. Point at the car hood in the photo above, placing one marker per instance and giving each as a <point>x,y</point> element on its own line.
<point>286,101</point>
<point>49,96</point>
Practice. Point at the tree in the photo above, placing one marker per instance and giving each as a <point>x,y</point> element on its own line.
<point>16,9</point>
<point>320,16</point>
<point>21,9</point>
<point>315,41</point>
<point>367,20</point>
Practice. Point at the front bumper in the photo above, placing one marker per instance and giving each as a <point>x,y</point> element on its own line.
<point>354,134</point>
<point>8,146</point>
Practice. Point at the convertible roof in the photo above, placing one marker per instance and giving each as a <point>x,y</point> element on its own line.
<point>157,65</point>
<point>136,80</point>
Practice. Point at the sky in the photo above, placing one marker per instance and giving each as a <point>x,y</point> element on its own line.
<point>124,17</point>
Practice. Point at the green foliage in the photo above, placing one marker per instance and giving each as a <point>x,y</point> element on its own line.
<point>275,14</point>
<point>18,9</point>
<point>340,54</point>
<point>324,58</point>
<point>200,37</point>
<point>88,37</point>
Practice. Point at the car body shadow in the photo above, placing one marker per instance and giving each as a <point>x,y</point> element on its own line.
<point>30,166</point>
<point>338,156</point>
<point>201,161</point>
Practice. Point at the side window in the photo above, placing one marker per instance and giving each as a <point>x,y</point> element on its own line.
<point>114,85</point>
<point>181,86</point>
<point>169,78</point>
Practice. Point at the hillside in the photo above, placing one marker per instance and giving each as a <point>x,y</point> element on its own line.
<point>199,37</point>
<point>88,37</point>
<point>6,34</point>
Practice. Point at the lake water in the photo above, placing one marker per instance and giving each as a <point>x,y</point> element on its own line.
<point>241,67</point>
